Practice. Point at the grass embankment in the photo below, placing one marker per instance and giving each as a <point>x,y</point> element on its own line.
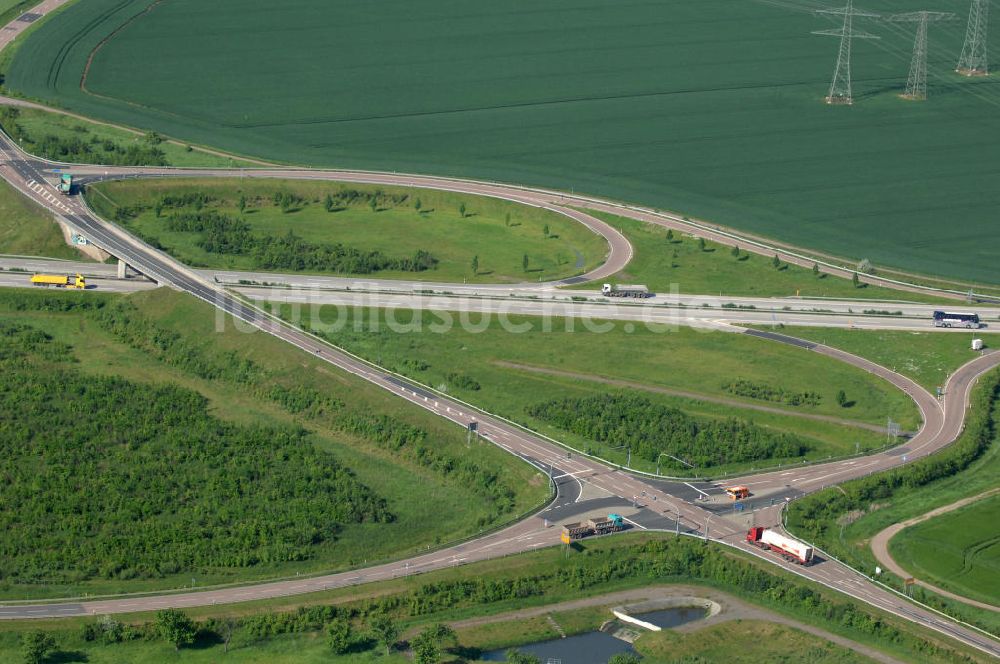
<point>351,229</point>
<point>958,551</point>
<point>28,230</point>
<point>74,140</point>
<point>843,520</point>
<point>572,99</point>
<point>926,357</point>
<point>413,461</point>
<point>280,633</point>
<point>737,640</point>
<point>665,260</point>
<point>512,372</point>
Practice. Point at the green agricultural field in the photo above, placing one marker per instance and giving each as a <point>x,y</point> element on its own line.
<point>515,365</point>
<point>958,551</point>
<point>369,223</point>
<point>679,261</point>
<point>28,230</point>
<point>159,343</point>
<point>926,357</point>
<point>712,109</point>
<point>60,137</point>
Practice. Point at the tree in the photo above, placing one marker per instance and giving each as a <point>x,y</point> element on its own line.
<point>506,220</point>
<point>545,230</point>
<point>624,658</point>
<point>417,205</point>
<point>158,208</point>
<point>515,656</point>
<point>670,235</point>
<point>461,210</point>
<point>776,262</point>
<point>842,399</point>
<point>425,650</point>
<point>475,264</point>
<point>815,269</point>
<point>36,645</point>
<point>427,646</point>
<point>328,203</point>
<point>226,628</point>
<point>701,244</point>
<point>338,635</point>
<point>866,267</point>
<point>242,203</point>
<point>153,138</point>
<point>524,262</point>
<point>855,280</point>
<point>175,627</point>
<point>373,204</point>
<point>386,631</point>
<point>736,251</point>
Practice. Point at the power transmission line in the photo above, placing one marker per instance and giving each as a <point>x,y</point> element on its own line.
<point>840,86</point>
<point>972,61</point>
<point>916,81</point>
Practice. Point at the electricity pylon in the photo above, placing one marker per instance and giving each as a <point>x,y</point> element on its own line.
<point>840,87</point>
<point>972,62</point>
<point>916,82</point>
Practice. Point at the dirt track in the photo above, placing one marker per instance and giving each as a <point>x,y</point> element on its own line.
<point>732,609</point>
<point>880,547</point>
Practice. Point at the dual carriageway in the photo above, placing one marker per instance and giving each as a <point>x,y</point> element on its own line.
<point>584,485</point>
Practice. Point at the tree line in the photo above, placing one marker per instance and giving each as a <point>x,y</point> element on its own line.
<point>743,387</point>
<point>817,517</point>
<point>227,235</point>
<point>377,621</point>
<point>93,150</point>
<point>105,478</point>
<point>651,429</point>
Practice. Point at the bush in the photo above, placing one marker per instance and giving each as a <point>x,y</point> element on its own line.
<point>651,429</point>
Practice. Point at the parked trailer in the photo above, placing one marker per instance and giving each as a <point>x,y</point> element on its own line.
<point>59,281</point>
<point>788,548</point>
<point>620,290</point>
<point>602,526</point>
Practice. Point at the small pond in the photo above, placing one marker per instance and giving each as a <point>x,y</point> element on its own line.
<point>673,617</point>
<point>590,648</point>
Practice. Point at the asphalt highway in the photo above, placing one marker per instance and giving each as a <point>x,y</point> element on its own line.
<point>655,504</point>
<point>703,311</point>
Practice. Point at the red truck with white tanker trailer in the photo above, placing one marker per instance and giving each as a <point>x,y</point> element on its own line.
<point>786,547</point>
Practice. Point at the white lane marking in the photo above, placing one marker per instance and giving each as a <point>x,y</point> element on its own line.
<point>637,525</point>
<point>696,489</point>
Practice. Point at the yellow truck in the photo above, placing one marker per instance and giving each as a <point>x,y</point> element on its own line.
<point>59,281</point>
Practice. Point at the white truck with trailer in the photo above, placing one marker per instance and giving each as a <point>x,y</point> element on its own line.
<point>622,290</point>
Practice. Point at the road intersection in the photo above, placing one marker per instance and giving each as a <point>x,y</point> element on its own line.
<point>581,481</point>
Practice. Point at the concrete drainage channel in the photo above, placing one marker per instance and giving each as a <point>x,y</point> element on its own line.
<point>655,615</point>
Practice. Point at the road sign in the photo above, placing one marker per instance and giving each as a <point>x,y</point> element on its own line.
<point>473,426</point>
